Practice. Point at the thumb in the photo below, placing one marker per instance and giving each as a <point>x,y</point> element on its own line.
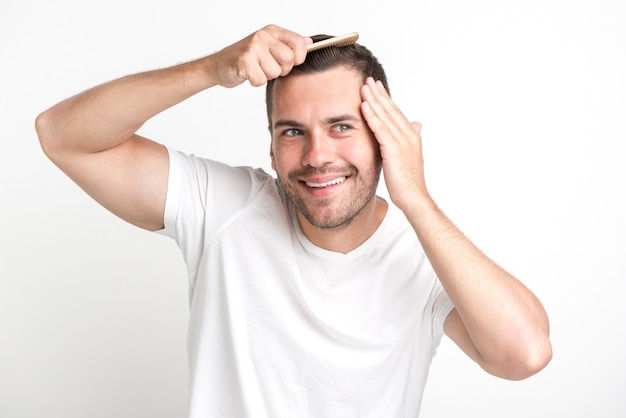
<point>417,127</point>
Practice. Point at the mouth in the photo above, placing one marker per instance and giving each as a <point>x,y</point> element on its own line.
<point>327,183</point>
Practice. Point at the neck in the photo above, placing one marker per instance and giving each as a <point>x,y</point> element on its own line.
<point>346,238</point>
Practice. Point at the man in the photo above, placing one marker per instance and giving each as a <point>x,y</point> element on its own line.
<point>310,295</point>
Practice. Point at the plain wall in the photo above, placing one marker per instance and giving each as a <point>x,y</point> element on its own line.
<point>523,105</point>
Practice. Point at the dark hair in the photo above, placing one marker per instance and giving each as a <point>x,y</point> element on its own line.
<point>355,57</point>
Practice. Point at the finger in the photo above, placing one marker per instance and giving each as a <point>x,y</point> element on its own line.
<point>417,127</point>
<point>384,103</point>
<point>375,98</point>
<point>377,128</point>
<point>298,44</point>
<point>284,56</point>
<point>385,109</point>
<point>377,117</point>
<point>250,68</point>
<point>265,55</point>
<point>267,63</point>
<point>294,41</point>
<point>280,50</point>
<point>385,106</point>
<point>256,76</point>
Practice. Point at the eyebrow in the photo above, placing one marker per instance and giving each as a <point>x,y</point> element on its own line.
<point>329,121</point>
<point>286,122</point>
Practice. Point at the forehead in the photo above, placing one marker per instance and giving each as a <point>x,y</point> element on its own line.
<point>324,90</point>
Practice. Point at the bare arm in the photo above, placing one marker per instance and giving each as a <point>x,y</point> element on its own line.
<point>497,321</point>
<point>92,136</point>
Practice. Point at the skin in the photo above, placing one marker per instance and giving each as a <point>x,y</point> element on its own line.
<point>497,321</point>
<point>348,132</point>
<point>326,157</point>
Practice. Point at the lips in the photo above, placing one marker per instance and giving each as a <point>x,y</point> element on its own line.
<point>320,184</point>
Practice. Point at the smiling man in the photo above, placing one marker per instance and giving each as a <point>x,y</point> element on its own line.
<point>325,156</point>
<point>310,296</point>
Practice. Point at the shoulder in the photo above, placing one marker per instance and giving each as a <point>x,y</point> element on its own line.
<point>208,171</point>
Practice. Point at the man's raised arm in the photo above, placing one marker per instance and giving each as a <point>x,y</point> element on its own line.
<point>497,321</point>
<point>92,136</point>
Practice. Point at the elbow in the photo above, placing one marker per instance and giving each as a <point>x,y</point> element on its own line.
<point>529,360</point>
<point>44,126</point>
<point>534,364</point>
<point>540,358</point>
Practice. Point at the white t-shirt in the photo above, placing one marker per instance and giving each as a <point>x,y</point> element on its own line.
<point>282,328</point>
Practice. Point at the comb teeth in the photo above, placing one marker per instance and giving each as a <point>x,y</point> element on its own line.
<point>339,41</point>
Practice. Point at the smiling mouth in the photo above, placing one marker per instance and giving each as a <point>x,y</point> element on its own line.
<point>332,182</point>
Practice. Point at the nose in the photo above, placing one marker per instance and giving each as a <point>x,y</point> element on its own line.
<point>319,150</point>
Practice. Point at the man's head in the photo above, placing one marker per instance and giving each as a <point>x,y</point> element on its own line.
<point>356,57</point>
<point>326,158</point>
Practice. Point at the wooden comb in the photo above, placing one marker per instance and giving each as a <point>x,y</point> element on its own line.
<point>342,40</point>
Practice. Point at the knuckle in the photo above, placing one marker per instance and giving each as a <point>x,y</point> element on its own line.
<point>274,73</point>
<point>261,35</point>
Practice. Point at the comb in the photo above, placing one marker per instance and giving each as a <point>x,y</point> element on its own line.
<point>342,40</point>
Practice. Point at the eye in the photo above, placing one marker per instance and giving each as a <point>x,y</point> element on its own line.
<point>341,128</point>
<point>292,132</point>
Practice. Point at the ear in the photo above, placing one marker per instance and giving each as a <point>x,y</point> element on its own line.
<point>269,128</point>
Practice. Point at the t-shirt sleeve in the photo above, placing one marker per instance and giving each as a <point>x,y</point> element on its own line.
<point>202,195</point>
<point>185,205</point>
<point>441,307</point>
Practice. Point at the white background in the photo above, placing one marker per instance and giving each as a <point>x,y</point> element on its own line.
<point>524,112</point>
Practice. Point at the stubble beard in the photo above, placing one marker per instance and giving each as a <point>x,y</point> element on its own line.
<point>352,205</point>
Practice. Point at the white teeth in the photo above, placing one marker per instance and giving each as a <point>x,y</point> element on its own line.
<point>328,183</point>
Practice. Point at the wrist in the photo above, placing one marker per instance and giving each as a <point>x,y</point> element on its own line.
<point>201,73</point>
<point>419,208</point>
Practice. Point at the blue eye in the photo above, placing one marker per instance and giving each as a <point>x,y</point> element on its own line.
<point>341,128</point>
<point>292,132</point>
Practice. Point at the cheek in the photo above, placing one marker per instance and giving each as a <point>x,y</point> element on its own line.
<point>367,152</point>
<point>281,159</point>
<point>272,156</point>
<point>280,156</point>
<point>374,145</point>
